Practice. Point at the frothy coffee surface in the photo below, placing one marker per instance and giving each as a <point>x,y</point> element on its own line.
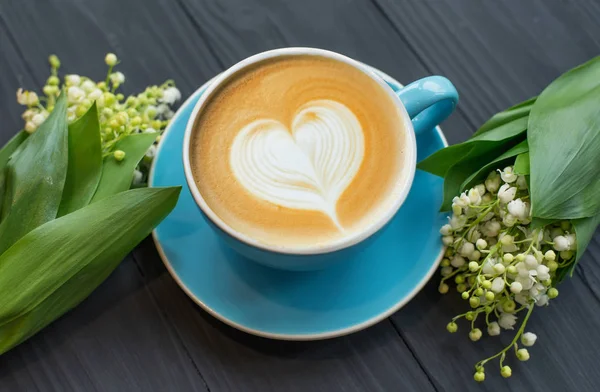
<point>299,151</point>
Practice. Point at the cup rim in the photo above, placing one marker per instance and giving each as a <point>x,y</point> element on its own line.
<point>404,184</point>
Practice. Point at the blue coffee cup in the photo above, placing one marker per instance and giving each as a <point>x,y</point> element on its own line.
<point>422,105</point>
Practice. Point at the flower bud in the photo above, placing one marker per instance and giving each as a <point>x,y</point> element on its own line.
<point>509,220</point>
<point>489,296</point>
<point>111,59</point>
<point>75,94</point>
<point>550,255</point>
<point>474,302</point>
<point>72,80</point>
<point>445,262</point>
<point>470,316</point>
<point>452,327</point>
<point>457,261</point>
<point>516,287</point>
<point>499,268</point>
<point>473,266</point>
<point>476,255</point>
<point>446,271</point>
<point>506,371</point>
<point>492,183</point>
<point>523,354</point>
<point>465,295</point>
<point>461,288</point>
<point>478,292</point>
<point>508,258</point>
<point>528,339</point>
<point>170,95</point>
<point>119,155</point>
<point>511,269</point>
<point>446,230</point>
<point>479,376</point>
<point>561,243</point>
<point>466,249</point>
<point>497,284</point>
<point>456,209</point>
<point>30,127</point>
<point>543,272</point>
<point>459,279</point>
<point>531,262</point>
<point>481,244</point>
<point>493,329</point>
<point>443,288</point>
<point>54,61</point>
<point>474,196</point>
<point>486,284</point>
<point>81,110</point>
<point>475,334</point>
<point>552,293</point>
<point>39,118</point>
<point>566,254</point>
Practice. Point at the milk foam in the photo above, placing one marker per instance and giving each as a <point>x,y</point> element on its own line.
<point>307,167</point>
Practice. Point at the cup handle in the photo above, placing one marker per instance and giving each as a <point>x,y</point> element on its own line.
<point>428,101</point>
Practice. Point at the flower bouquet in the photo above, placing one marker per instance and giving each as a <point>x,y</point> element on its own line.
<point>67,216</point>
<point>524,196</point>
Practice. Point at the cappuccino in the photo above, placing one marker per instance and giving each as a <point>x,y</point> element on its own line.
<point>299,151</point>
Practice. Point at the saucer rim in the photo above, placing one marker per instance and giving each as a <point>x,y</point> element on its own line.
<point>278,336</point>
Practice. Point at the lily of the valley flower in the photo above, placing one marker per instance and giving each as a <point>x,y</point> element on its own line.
<point>506,193</point>
<point>507,320</point>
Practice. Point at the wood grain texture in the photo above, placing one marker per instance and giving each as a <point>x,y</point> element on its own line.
<point>140,332</point>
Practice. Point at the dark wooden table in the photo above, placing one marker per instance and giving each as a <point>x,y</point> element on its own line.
<point>139,331</point>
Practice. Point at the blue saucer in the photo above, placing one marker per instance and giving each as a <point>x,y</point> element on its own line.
<point>299,305</point>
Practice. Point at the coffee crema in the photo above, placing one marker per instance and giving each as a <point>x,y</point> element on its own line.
<point>299,151</point>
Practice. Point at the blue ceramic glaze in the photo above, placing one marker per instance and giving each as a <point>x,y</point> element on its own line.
<point>370,284</point>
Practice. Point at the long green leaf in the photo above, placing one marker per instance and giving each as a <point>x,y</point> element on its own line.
<point>85,162</point>
<point>117,176</point>
<point>5,153</point>
<point>506,158</point>
<point>56,266</point>
<point>460,172</point>
<point>36,177</point>
<point>564,142</point>
<point>501,138</point>
<point>509,115</point>
<point>522,164</point>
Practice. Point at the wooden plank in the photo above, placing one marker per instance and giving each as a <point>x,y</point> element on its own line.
<point>498,53</point>
<point>116,340</point>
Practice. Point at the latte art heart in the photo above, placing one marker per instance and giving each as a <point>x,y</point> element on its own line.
<point>307,167</point>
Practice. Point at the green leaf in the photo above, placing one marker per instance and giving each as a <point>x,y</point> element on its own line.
<point>84,164</point>
<point>56,266</point>
<point>458,174</point>
<point>507,116</point>
<point>584,230</point>
<point>5,153</point>
<point>501,161</point>
<point>35,177</point>
<point>117,176</point>
<point>522,164</point>
<point>440,162</point>
<point>564,142</point>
